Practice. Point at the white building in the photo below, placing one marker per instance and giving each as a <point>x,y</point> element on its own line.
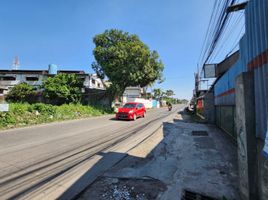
<point>133,92</point>
<point>94,82</point>
<point>10,78</point>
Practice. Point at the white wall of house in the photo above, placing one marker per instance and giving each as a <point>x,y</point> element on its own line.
<point>147,102</point>
<point>92,81</point>
<point>7,81</point>
<point>132,92</point>
<point>32,79</point>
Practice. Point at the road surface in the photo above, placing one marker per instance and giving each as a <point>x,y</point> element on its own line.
<point>47,161</point>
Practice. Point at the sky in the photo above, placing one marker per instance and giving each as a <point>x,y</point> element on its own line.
<point>61,31</point>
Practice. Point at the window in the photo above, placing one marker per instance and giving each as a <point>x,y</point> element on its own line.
<point>129,105</point>
<point>93,81</point>
<point>99,85</point>
<point>7,78</point>
<point>31,78</point>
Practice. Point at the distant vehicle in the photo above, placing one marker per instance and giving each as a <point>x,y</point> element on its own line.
<point>131,110</point>
<point>169,106</point>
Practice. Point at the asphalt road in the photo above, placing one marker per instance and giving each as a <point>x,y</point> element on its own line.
<point>32,159</point>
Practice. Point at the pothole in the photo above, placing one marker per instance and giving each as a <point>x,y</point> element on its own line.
<point>106,188</point>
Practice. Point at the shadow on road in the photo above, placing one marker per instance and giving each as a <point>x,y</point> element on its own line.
<point>171,157</point>
<point>177,160</point>
<point>121,120</point>
<point>93,185</point>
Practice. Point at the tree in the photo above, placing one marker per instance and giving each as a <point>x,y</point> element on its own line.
<point>63,88</point>
<point>158,93</point>
<point>125,60</point>
<point>169,93</point>
<point>21,93</point>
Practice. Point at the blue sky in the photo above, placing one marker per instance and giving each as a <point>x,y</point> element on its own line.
<point>41,32</point>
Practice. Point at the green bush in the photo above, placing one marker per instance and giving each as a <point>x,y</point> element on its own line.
<point>63,88</point>
<point>21,93</point>
<point>22,114</point>
<point>44,108</point>
<point>6,119</point>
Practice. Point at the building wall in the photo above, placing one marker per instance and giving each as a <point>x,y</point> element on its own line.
<point>147,103</point>
<point>6,85</point>
<point>253,58</point>
<point>90,81</point>
<point>93,81</point>
<point>20,78</point>
<point>209,107</point>
<point>257,62</point>
<point>132,92</point>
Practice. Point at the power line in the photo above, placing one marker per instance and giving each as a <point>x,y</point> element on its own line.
<point>221,26</point>
<point>226,35</point>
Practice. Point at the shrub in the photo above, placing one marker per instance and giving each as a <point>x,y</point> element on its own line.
<point>6,119</point>
<point>63,88</point>
<point>21,114</point>
<point>44,108</point>
<point>19,108</point>
<point>20,93</point>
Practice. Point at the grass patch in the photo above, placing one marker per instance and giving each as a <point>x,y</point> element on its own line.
<point>24,114</point>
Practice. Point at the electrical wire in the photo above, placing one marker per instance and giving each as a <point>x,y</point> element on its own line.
<point>226,37</point>
<point>221,26</point>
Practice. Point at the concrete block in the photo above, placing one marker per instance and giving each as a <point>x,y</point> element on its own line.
<point>246,139</point>
<point>209,107</point>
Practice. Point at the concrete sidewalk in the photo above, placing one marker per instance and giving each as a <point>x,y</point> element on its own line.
<point>171,161</point>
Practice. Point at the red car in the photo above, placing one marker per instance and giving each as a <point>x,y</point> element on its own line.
<point>131,110</point>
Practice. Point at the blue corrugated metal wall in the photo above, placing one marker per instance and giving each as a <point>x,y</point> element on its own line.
<point>257,32</point>
<point>224,88</point>
<point>253,56</point>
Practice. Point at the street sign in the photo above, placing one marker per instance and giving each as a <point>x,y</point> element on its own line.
<point>209,71</point>
<point>4,107</point>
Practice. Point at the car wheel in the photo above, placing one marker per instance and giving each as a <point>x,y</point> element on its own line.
<point>134,117</point>
<point>144,114</point>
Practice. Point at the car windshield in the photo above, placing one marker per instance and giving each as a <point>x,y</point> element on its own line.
<point>129,105</point>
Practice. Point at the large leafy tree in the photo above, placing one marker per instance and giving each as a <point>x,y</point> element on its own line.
<point>125,60</point>
<point>63,88</point>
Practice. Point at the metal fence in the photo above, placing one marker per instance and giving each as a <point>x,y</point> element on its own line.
<point>257,59</point>
<point>225,116</point>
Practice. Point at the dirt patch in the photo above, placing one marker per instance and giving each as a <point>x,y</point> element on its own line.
<point>106,188</point>
<point>189,117</point>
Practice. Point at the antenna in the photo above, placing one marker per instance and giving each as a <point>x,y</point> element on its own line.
<point>16,63</point>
